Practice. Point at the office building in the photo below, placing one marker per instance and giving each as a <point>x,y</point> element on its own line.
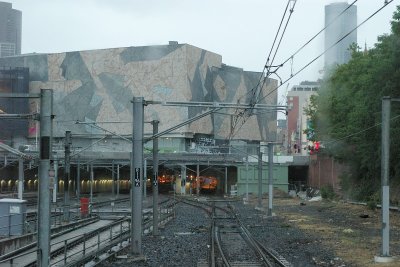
<point>298,99</point>
<point>338,26</point>
<point>10,30</point>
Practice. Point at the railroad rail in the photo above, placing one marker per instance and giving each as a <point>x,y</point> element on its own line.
<point>90,243</point>
<point>231,242</point>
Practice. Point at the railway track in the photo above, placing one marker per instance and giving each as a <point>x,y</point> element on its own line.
<point>87,243</point>
<point>231,243</point>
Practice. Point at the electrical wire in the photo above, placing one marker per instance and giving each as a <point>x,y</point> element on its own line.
<point>359,132</point>
<point>312,61</point>
<point>256,91</point>
<point>280,41</point>
<point>318,33</point>
<point>326,50</point>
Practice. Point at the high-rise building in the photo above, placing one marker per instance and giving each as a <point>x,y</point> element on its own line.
<point>10,30</point>
<point>336,28</point>
<point>298,99</point>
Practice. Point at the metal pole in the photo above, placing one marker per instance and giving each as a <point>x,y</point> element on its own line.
<point>385,174</point>
<point>20,178</point>
<point>183,180</point>
<point>46,126</point>
<point>270,178</point>
<point>91,183</point>
<point>247,178</point>
<point>137,174</point>
<point>226,180</point>
<point>113,180</point>
<point>144,177</point>
<point>55,186</point>
<point>117,180</point>
<point>198,180</point>
<point>78,180</point>
<point>259,178</point>
<point>155,178</point>
<point>67,170</point>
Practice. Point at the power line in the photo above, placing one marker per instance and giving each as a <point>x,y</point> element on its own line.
<point>320,55</point>
<point>356,133</point>
<point>318,33</point>
<point>280,41</point>
<point>256,91</point>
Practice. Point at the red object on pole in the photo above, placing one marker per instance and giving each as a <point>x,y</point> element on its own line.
<point>84,206</point>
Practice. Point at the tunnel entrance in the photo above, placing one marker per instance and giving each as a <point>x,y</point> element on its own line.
<point>298,178</point>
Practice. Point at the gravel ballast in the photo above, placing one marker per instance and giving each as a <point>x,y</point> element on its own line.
<point>184,241</point>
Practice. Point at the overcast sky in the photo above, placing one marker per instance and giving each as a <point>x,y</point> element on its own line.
<point>242,32</point>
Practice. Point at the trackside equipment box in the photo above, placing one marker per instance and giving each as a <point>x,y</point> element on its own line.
<point>12,216</point>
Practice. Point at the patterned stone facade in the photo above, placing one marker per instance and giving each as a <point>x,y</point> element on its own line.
<point>98,86</point>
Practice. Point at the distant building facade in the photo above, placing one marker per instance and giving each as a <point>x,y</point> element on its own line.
<point>98,86</point>
<point>10,30</point>
<point>336,28</point>
<point>298,99</point>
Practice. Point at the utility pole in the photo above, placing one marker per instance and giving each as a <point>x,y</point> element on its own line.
<point>91,186</point>
<point>226,180</point>
<point>270,177</point>
<point>259,178</point>
<point>20,177</point>
<point>385,174</point>
<point>46,133</point>
<point>183,179</point>
<point>67,175</point>
<point>55,186</point>
<point>198,180</point>
<point>155,178</point>
<point>144,178</point>
<point>117,180</point>
<point>385,159</point>
<point>78,180</point>
<point>137,175</point>
<point>113,180</point>
<point>247,178</point>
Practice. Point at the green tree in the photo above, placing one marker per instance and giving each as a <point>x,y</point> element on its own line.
<point>348,112</point>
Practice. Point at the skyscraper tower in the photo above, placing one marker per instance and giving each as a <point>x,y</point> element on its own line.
<point>10,30</point>
<point>340,53</point>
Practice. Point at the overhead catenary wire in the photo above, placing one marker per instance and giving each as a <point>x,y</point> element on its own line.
<point>318,33</point>
<point>386,3</point>
<point>256,91</point>
<point>356,133</point>
<point>280,41</point>
<point>326,50</point>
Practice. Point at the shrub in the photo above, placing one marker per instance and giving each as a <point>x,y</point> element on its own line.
<point>327,192</point>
